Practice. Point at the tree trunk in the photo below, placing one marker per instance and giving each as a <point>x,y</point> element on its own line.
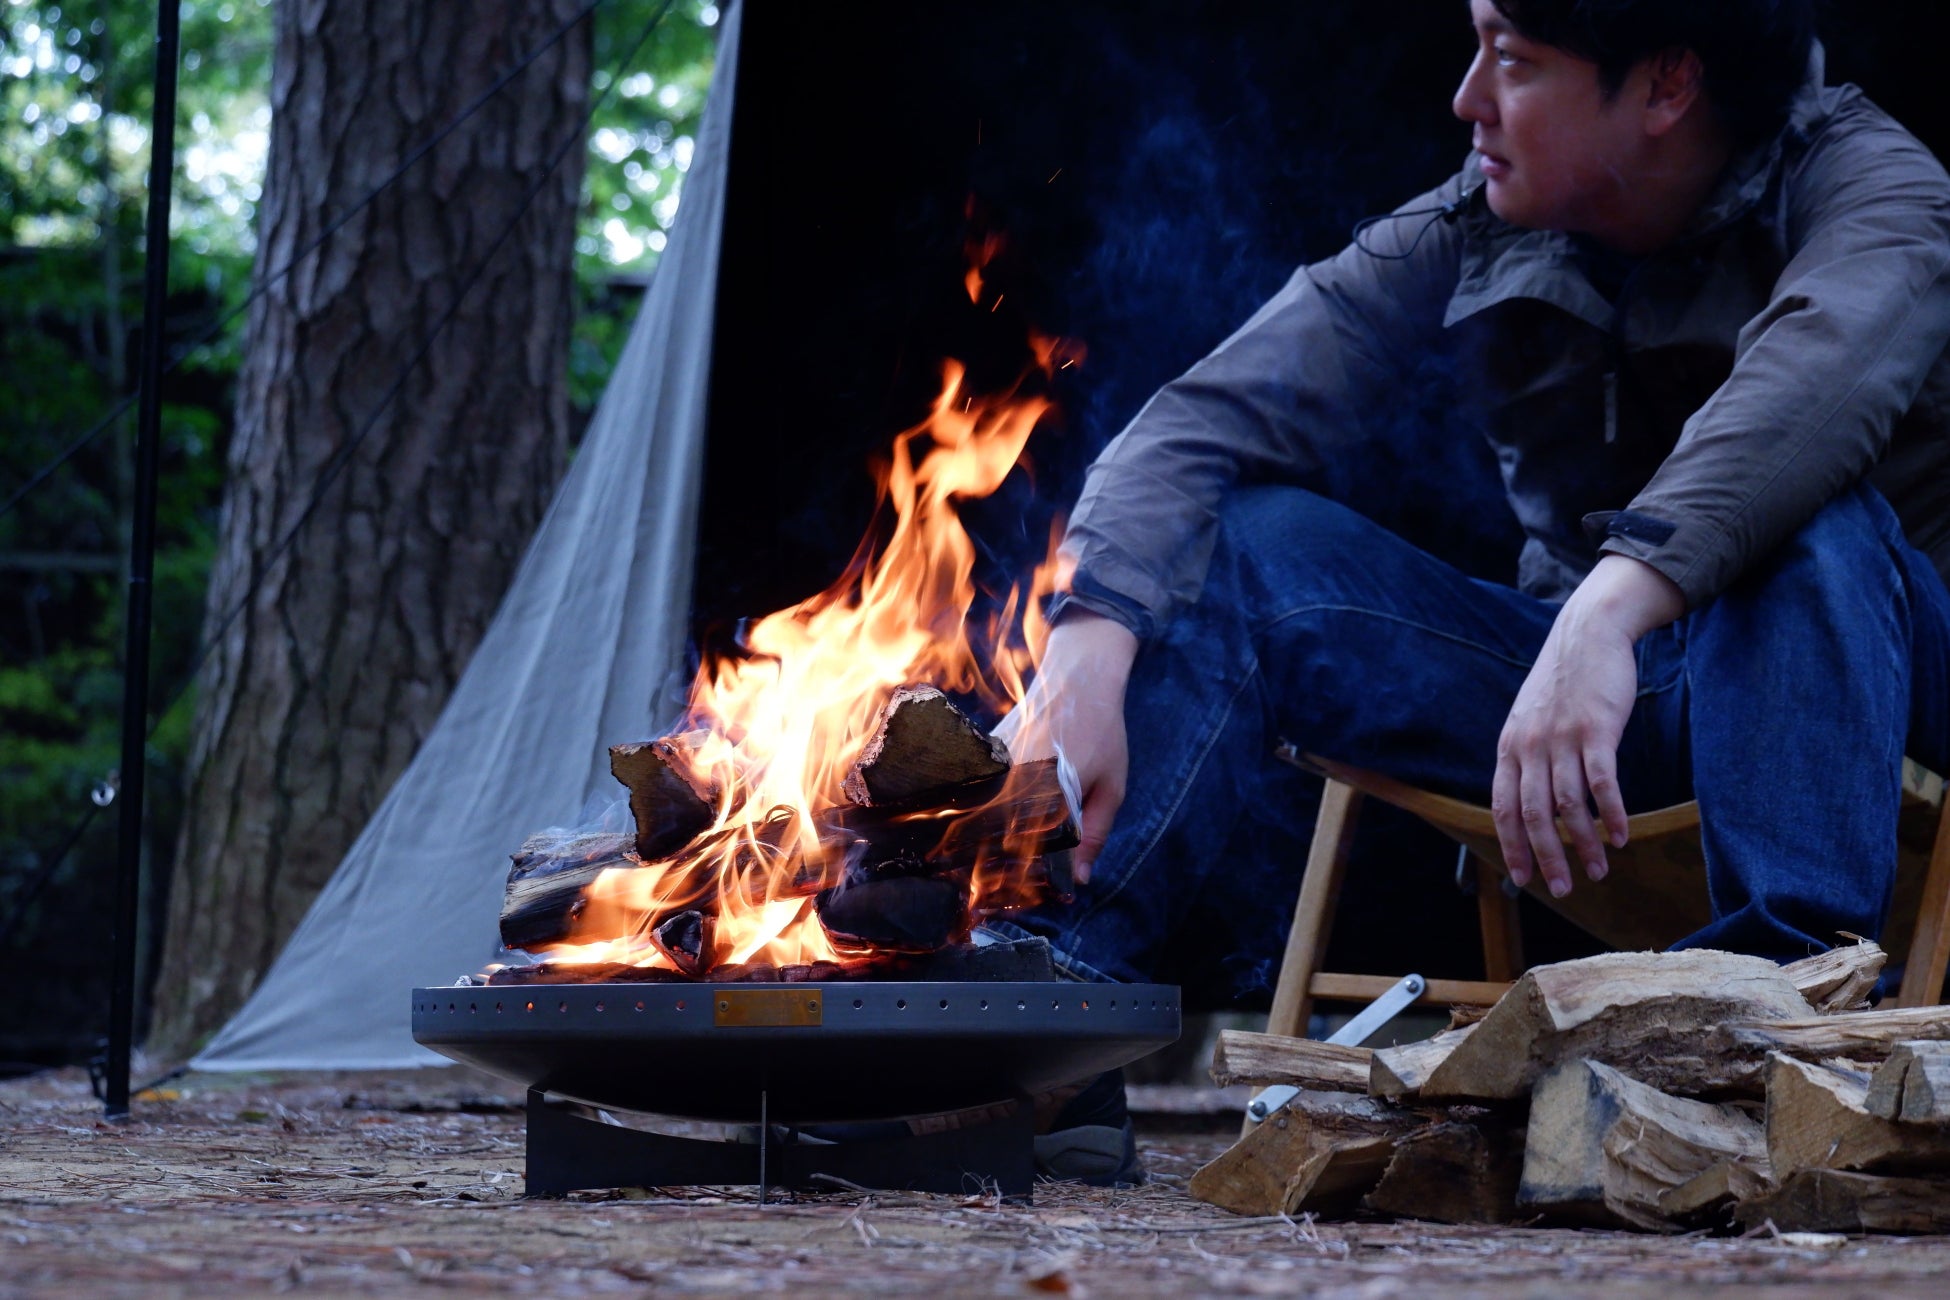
<point>319,692</point>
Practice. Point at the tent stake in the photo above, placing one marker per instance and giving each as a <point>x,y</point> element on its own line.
<point>142,563</point>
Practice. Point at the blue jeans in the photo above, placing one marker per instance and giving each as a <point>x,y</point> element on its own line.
<point>1785,706</point>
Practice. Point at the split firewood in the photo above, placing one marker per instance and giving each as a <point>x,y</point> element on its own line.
<point>547,884</point>
<point>1817,1119</point>
<point>671,805</point>
<point>922,750</point>
<point>1868,1036</point>
<point>1831,1200</point>
<point>1707,1199</point>
<point>1400,1072</point>
<point>1913,1085</point>
<point>1603,1148</point>
<point>910,914</point>
<point>1267,1059</point>
<point>1463,1170</point>
<point>1662,1015</point>
<point>1315,1153</point>
<point>1840,979</point>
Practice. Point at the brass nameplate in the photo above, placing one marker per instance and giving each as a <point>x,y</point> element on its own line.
<point>766,1008</point>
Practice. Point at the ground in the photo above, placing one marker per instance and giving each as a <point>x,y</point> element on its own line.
<point>367,1184</point>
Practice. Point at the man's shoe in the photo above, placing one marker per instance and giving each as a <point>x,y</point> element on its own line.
<point>1092,1139</point>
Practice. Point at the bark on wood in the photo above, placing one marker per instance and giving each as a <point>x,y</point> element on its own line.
<point>1457,1171</point>
<point>314,698</point>
<point>1913,1085</point>
<point>923,750</point>
<point>1830,1200</point>
<point>1267,1171</point>
<point>547,883</point>
<point>1399,1073</point>
<point>1266,1059</point>
<point>1817,1119</point>
<point>671,806</point>
<point>1029,816</point>
<point>1864,1036</point>
<point>1603,1148</point>
<point>1840,979</point>
<point>1662,1015</point>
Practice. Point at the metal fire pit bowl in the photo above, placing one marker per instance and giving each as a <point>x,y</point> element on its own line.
<point>812,1052</point>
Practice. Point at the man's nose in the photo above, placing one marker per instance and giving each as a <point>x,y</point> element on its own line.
<point>1473,104</point>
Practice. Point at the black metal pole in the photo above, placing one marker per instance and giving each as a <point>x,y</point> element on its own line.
<point>142,563</point>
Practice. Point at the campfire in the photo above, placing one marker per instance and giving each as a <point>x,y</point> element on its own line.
<point>830,807</point>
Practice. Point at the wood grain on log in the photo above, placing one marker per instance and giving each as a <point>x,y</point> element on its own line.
<point>909,914</point>
<point>1840,979</point>
<point>671,805</point>
<point>1831,1200</point>
<point>1400,1072</point>
<point>1457,1171</point>
<point>1913,1085</point>
<point>1863,1036</point>
<point>1664,1015</point>
<point>1267,1171</point>
<point>1603,1148</point>
<point>1707,1199</point>
<point>1266,1059</point>
<point>1817,1119</point>
<point>922,750</point>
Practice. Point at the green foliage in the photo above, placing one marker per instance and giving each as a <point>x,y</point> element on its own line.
<point>76,87</point>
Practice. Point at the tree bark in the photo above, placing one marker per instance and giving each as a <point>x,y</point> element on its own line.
<point>317,695</point>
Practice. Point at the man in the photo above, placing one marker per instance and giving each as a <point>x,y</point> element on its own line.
<point>1701,303</point>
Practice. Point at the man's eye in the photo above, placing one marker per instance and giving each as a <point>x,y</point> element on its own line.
<point>1505,59</point>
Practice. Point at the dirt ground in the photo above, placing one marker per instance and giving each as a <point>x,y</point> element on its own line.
<point>362,1184</point>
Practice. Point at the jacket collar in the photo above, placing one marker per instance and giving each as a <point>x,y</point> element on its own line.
<point>1501,262</point>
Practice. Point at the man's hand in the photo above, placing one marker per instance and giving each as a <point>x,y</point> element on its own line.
<point>1077,701</point>
<point>1558,754</point>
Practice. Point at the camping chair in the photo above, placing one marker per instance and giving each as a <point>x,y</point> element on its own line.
<point>1664,899</point>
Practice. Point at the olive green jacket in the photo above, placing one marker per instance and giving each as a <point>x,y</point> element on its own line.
<point>1789,344</point>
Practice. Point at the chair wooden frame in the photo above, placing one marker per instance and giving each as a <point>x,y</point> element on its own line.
<point>1919,919</point>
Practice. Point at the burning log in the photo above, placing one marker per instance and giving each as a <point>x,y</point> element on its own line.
<point>670,805</point>
<point>924,750</point>
<point>547,883</point>
<point>910,914</point>
<point>686,939</point>
<point>1030,815</point>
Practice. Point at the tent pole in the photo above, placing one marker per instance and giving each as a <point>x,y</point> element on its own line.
<point>142,558</point>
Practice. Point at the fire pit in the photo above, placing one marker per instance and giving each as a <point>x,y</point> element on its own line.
<point>792,1054</point>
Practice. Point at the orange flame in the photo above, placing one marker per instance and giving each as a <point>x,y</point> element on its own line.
<point>779,727</point>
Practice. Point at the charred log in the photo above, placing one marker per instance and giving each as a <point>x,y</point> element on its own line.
<point>686,939</point>
<point>912,914</point>
<point>922,752</point>
<point>547,883</point>
<point>670,805</point>
<point>1029,816</point>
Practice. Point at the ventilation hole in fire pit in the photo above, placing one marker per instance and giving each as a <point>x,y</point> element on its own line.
<point>497,1008</point>
<point>857,1004</point>
<point>450,1007</point>
<point>563,1007</point>
<point>985,1004</point>
<point>680,1004</point>
<point>944,1004</point>
<point>639,1006</point>
<point>1113,1004</point>
<point>1086,1005</point>
<point>1021,1005</point>
<point>599,1006</point>
<point>1056,1004</point>
<point>471,1008</point>
<point>900,1004</point>
<point>531,1006</point>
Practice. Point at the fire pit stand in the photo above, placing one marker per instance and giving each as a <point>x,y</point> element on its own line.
<point>792,1055</point>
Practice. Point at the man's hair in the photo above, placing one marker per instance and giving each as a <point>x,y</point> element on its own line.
<point>1754,52</point>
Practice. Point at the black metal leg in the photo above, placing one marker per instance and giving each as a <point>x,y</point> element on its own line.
<point>567,1153</point>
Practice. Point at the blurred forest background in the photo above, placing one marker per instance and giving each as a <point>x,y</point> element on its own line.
<point>75,98</point>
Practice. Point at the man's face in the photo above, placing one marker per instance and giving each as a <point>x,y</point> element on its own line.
<point>1556,152</point>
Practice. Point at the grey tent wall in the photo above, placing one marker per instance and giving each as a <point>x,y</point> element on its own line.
<point>580,649</point>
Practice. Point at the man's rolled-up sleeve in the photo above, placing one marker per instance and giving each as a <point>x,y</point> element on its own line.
<point>1854,324</point>
<point>1274,402</point>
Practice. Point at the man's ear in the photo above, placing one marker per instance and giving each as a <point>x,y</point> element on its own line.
<point>1677,83</point>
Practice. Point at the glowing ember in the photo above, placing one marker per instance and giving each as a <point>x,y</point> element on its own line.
<point>772,734</point>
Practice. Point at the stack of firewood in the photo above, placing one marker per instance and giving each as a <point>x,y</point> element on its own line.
<point>1657,1091</point>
